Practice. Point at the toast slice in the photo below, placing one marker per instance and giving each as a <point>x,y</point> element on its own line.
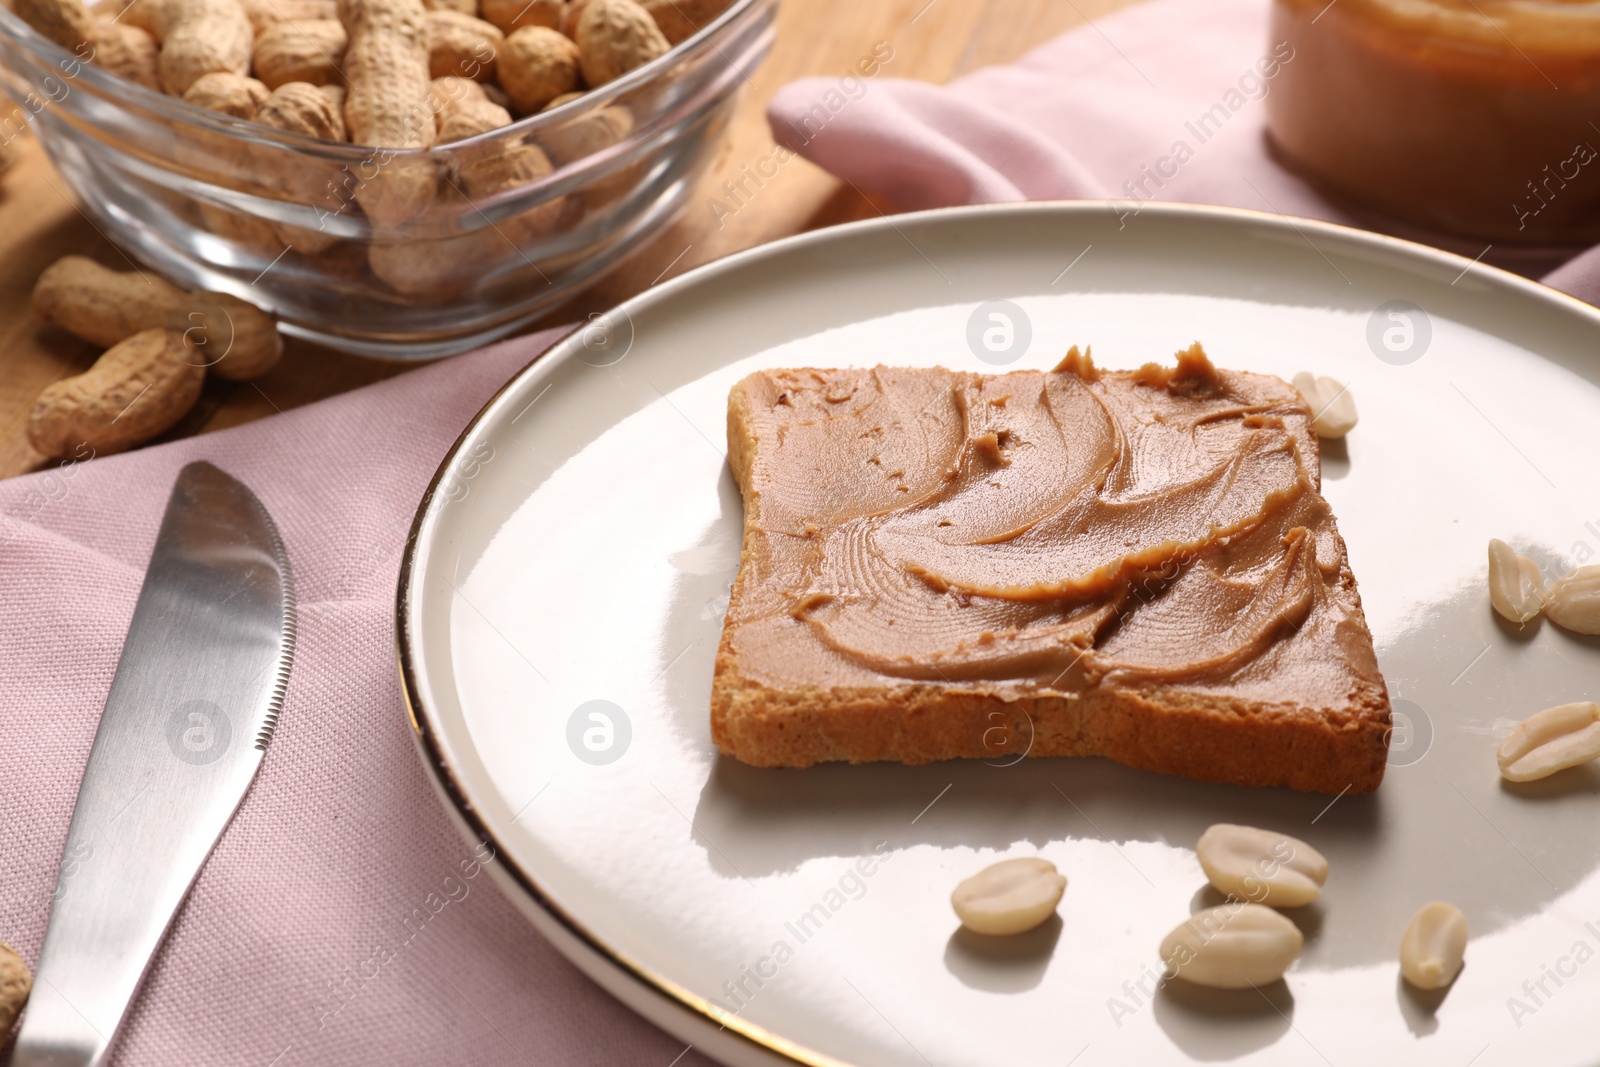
<point>1137,565</point>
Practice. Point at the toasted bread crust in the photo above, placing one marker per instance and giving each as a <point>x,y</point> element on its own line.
<point>1170,729</point>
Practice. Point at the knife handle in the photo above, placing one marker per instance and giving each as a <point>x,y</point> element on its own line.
<point>129,860</point>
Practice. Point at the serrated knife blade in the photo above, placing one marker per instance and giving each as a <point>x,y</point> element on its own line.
<point>192,707</point>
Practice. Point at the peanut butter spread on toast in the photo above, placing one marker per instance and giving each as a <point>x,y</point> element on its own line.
<point>1044,533</point>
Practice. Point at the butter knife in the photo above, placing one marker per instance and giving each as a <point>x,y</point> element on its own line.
<point>192,707</point>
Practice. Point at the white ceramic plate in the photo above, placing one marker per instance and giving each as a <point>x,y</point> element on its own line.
<point>579,544</point>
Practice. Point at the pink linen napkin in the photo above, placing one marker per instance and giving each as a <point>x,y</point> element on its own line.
<point>1098,113</point>
<point>341,919</point>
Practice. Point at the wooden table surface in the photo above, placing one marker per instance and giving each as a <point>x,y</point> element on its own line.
<point>932,41</point>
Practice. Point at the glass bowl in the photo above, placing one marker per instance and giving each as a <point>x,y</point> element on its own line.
<point>275,217</point>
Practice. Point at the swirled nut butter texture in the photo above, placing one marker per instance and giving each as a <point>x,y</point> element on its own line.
<point>1075,562</point>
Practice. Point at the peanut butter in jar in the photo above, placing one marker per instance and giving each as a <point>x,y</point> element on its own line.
<point>1479,118</point>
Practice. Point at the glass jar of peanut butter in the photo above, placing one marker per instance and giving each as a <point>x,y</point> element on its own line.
<point>1474,117</point>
